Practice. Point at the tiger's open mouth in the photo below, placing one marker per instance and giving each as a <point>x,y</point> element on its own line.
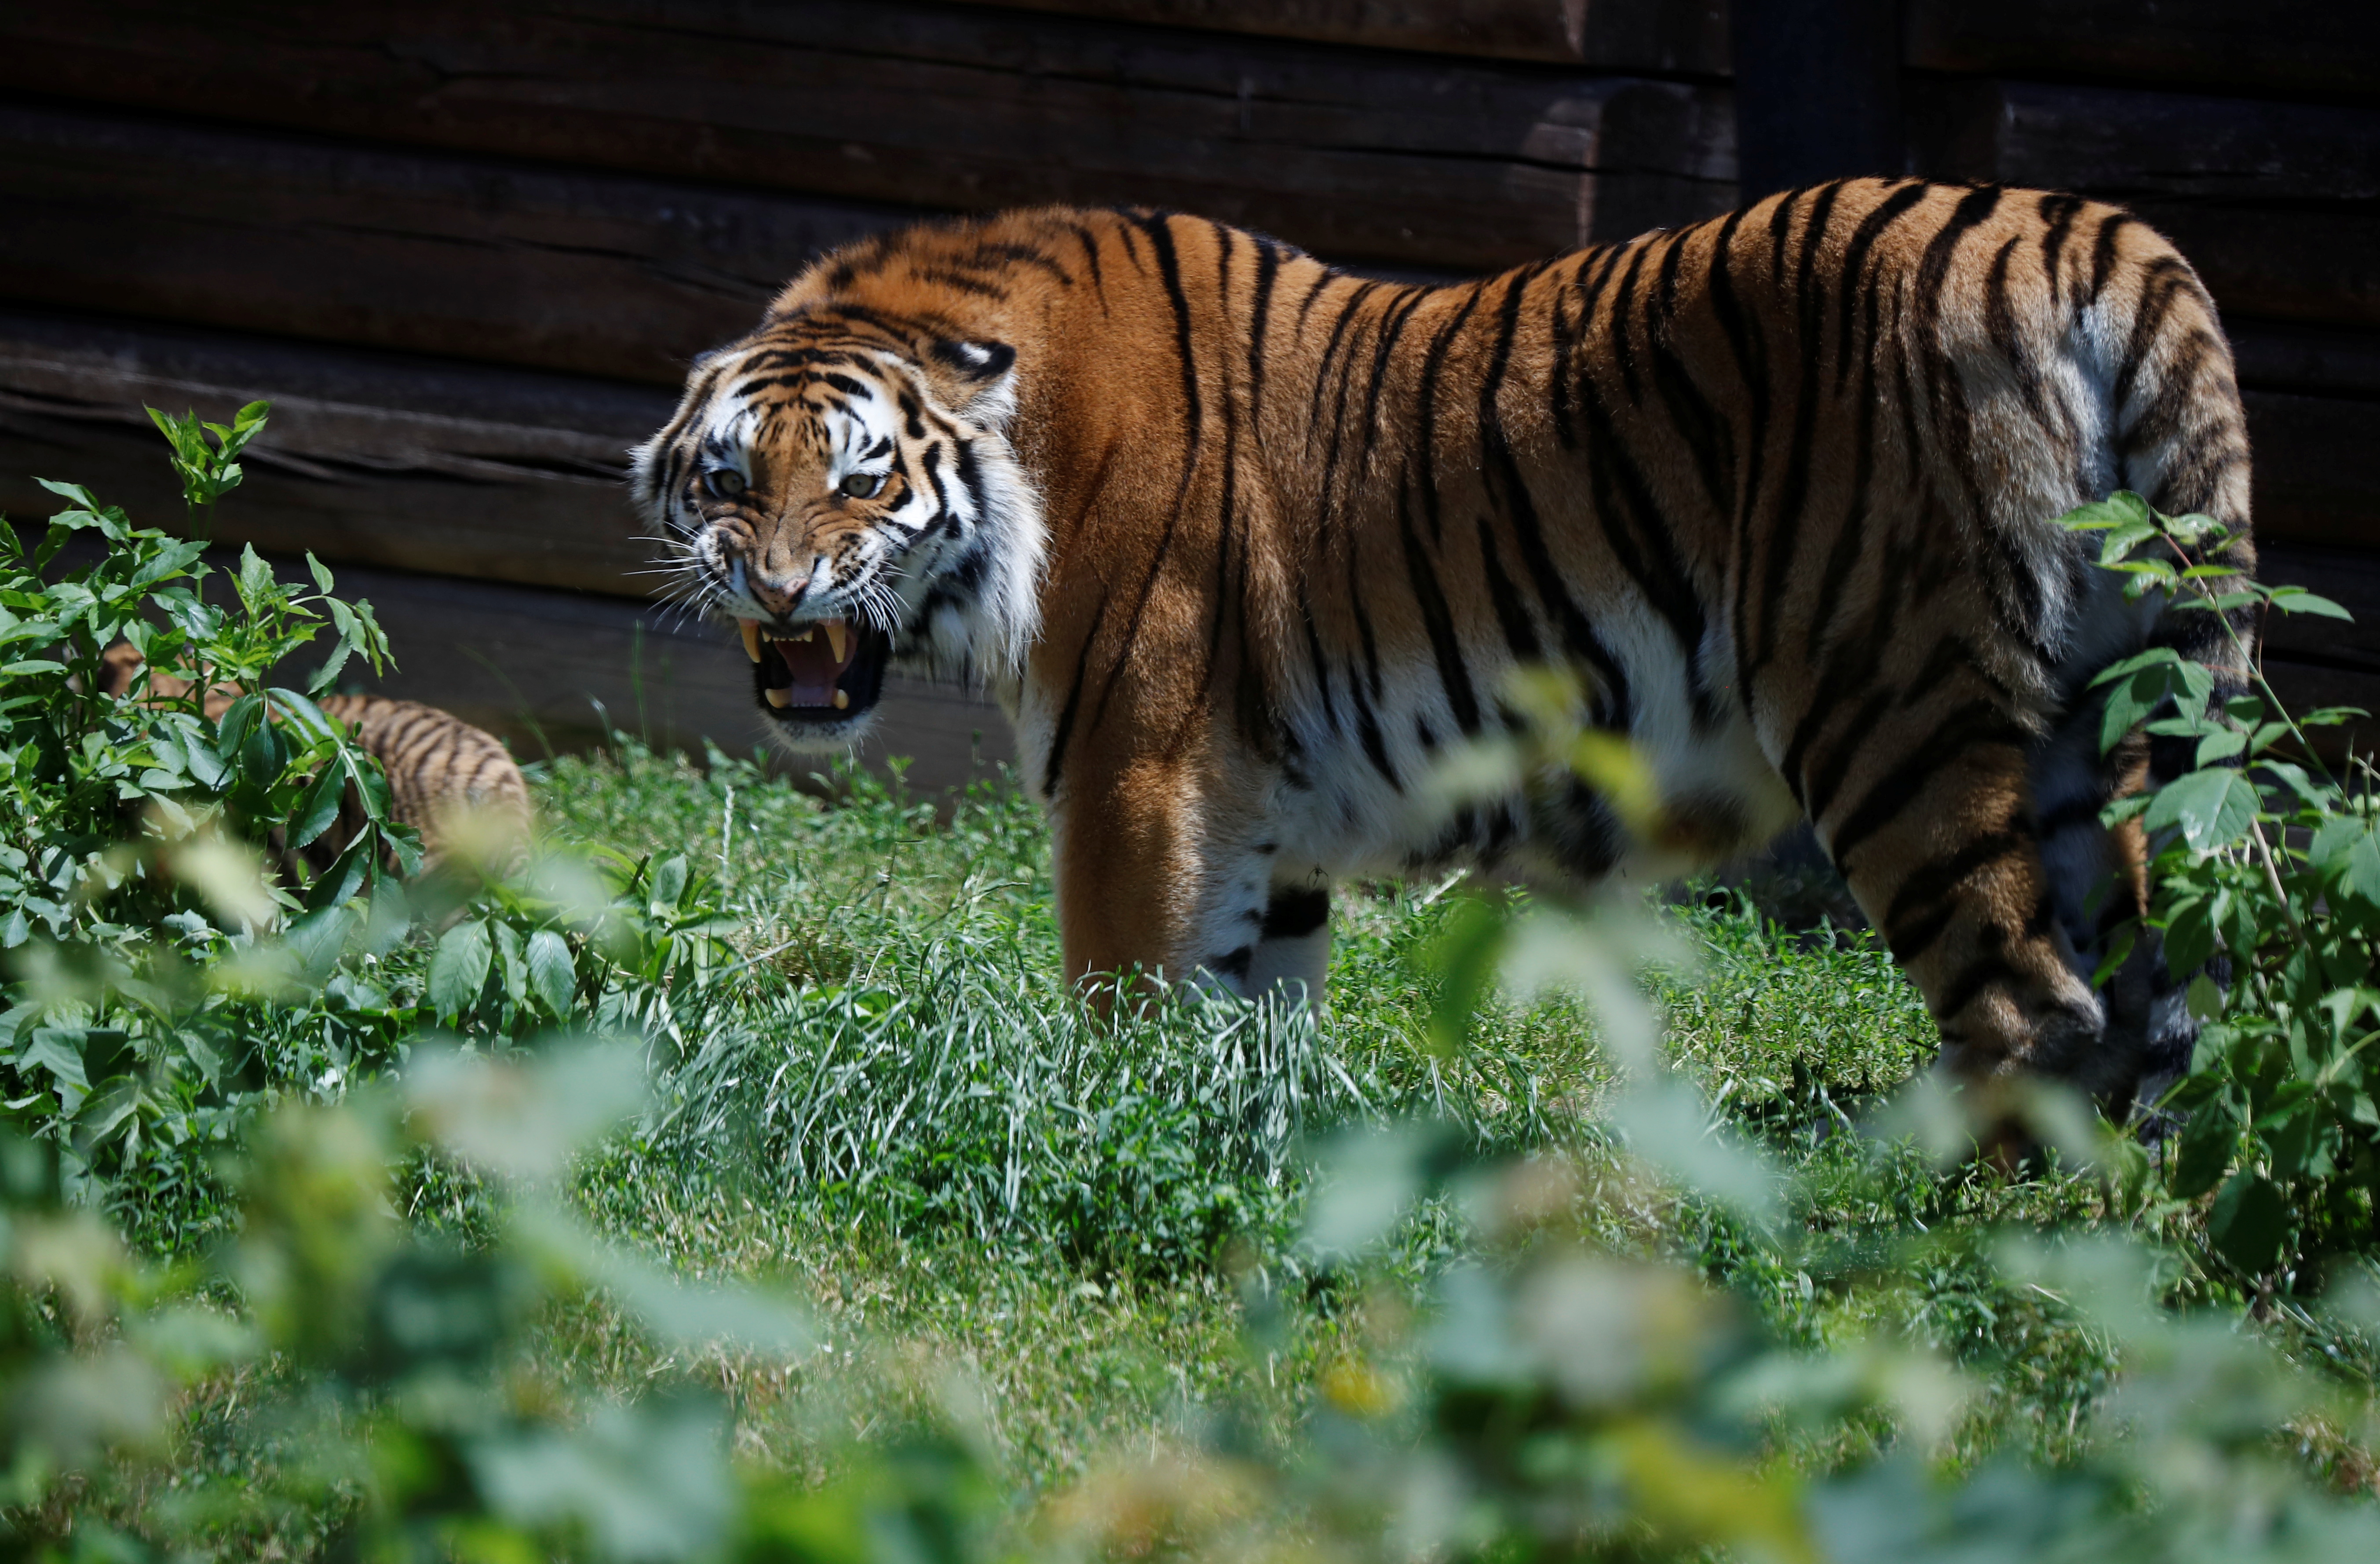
<point>827,673</point>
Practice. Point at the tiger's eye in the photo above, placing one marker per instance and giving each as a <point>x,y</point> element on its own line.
<point>862,485</point>
<point>724,482</point>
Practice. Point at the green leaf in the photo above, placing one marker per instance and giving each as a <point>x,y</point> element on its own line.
<point>2250,1222</point>
<point>59,1052</point>
<point>320,572</point>
<point>255,575</point>
<point>459,968</point>
<point>2220,745</point>
<point>668,882</point>
<point>1465,956</point>
<point>2122,509</point>
<point>328,675</point>
<point>321,809</point>
<point>2297,599</point>
<point>2204,1153</point>
<point>551,975</point>
<point>2213,808</point>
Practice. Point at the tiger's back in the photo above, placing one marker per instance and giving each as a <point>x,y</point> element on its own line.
<point>1778,486</point>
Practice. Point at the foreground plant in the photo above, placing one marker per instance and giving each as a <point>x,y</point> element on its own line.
<point>2265,884</point>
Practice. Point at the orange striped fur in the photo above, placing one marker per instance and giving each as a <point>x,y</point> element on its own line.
<point>1246,541</point>
<point>440,768</point>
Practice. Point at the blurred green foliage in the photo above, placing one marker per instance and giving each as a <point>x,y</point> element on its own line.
<point>1571,1232</point>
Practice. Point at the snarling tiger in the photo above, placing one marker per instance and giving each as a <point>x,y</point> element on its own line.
<point>1244,541</point>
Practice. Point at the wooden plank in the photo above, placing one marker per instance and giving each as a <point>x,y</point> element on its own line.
<point>1357,155</point>
<point>2329,46</point>
<point>534,667</point>
<point>2289,263</point>
<point>507,475</point>
<point>600,273</point>
<point>2315,479</point>
<point>1681,37</point>
<point>2348,577</point>
<point>370,457</point>
<point>2127,144</point>
<point>2294,356</point>
<point>2277,204</point>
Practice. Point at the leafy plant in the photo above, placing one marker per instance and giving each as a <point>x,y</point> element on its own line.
<point>209,470</point>
<point>2266,883</point>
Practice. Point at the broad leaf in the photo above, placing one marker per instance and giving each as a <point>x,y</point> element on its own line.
<point>2250,1222</point>
<point>2213,808</point>
<point>551,975</point>
<point>459,969</point>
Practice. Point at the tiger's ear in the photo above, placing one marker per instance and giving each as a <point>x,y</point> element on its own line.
<point>975,378</point>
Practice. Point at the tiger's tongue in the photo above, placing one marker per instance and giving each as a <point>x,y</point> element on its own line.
<point>814,668</point>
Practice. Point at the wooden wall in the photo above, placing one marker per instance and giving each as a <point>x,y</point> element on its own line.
<point>466,248</point>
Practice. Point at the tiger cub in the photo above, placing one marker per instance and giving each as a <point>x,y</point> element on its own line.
<point>440,768</point>
<point>1245,542</point>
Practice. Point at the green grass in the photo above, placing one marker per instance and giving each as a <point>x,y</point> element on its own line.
<point>1077,1243</point>
<point>920,1128</point>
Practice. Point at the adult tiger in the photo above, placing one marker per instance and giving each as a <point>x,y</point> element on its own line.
<point>1241,539</point>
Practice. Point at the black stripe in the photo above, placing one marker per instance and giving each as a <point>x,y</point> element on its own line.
<point>2059,212</point>
<point>1849,275</point>
<point>1627,511</point>
<point>1510,612</point>
<point>1701,425</point>
<point>1159,230</point>
<point>1295,912</point>
<point>2103,249</point>
<point>1090,243</point>
<point>1065,729</point>
<point>1330,353</point>
<point>1975,723</point>
<point>1444,644</point>
<point>1433,367</point>
<point>1260,319</point>
<point>1929,889</point>
<point>1624,309</point>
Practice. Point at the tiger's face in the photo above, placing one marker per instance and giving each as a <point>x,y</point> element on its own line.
<point>851,500</point>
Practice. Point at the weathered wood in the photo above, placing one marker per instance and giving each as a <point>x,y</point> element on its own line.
<point>2330,46</point>
<point>2348,578</point>
<point>2290,263</point>
<point>1683,37</point>
<point>368,458</point>
<point>597,272</point>
<point>2315,481</point>
<point>2126,143</point>
<point>534,667</point>
<point>1353,155</point>
<point>2293,355</point>
<point>508,475</point>
<point>2277,204</point>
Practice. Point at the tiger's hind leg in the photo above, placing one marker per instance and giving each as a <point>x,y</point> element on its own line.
<point>1938,841</point>
<point>2098,888</point>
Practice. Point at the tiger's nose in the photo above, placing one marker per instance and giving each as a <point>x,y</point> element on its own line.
<point>778,596</point>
